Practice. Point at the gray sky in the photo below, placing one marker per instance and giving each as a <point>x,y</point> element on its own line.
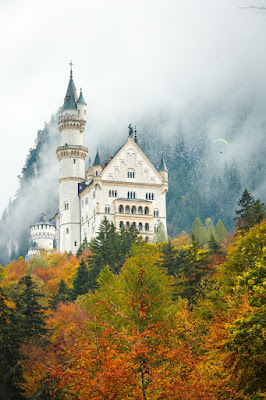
<point>130,58</point>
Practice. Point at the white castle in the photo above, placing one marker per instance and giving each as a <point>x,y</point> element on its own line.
<point>126,189</point>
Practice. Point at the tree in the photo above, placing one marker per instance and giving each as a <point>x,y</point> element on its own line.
<point>10,355</point>
<point>110,248</point>
<point>160,234</point>
<point>220,231</point>
<point>81,281</point>
<point>84,246</point>
<point>200,233</point>
<point>250,213</point>
<point>214,246</point>
<point>63,294</point>
<point>30,312</point>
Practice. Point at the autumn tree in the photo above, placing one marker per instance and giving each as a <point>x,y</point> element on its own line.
<point>81,282</point>
<point>250,213</point>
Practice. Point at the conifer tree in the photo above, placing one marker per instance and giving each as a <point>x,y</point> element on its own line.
<point>81,282</point>
<point>160,234</point>
<point>220,231</point>
<point>214,246</point>
<point>62,295</point>
<point>30,311</point>
<point>250,213</point>
<point>10,355</point>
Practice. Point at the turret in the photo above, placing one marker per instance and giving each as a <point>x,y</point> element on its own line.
<point>163,169</point>
<point>81,107</point>
<point>97,165</point>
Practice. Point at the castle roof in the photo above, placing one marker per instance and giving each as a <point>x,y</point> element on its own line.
<point>81,98</point>
<point>71,95</point>
<point>97,160</point>
<point>162,166</point>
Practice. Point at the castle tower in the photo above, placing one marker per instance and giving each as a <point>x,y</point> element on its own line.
<point>42,236</point>
<point>71,156</point>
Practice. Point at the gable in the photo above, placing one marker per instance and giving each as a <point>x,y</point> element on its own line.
<point>131,165</point>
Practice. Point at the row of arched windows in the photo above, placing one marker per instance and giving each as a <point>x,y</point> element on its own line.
<point>156,213</point>
<point>140,226</point>
<point>149,196</point>
<point>133,210</point>
<point>130,174</point>
<point>131,195</point>
<point>107,210</point>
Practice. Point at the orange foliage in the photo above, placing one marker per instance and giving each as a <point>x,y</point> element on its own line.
<point>14,271</point>
<point>181,240</point>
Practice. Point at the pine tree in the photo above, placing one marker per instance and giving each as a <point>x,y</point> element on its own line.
<point>81,281</point>
<point>214,246</point>
<point>200,233</point>
<point>84,246</point>
<point>10,355</point>
<point>30,311</point>
<point>251,212</point>
<point>62,295</point>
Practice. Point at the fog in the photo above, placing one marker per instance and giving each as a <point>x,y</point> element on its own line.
<point>199,63</point>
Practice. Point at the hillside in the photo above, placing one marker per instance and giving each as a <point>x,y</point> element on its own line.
<point>205,178</point>
<point>131,320</point>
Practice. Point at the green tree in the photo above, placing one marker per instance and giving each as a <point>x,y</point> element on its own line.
<point>81,281</point>
<point>84,246</point>
<point>110,248</point>
<point>10,355</point>
<point>220,231</point>
<point>160,234</point>
<point>63,294</point>
<point>214,246</point>
<point>200,233</point>
<point>30,311</point>
<point>250,213</point>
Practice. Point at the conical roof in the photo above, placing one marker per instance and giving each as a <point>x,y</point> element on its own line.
<point>162,166</point>
<point>71,95</point>
<point>97,160</point>
<point>81,98</point>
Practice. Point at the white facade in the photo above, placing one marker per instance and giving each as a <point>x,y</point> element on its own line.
<point>127,189</point>
<point>42,236</point>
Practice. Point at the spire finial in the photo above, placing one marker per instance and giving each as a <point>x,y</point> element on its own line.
<point>135,138</point>
<point>71,72</point>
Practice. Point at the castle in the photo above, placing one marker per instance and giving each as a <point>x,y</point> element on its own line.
<point>126,189</point>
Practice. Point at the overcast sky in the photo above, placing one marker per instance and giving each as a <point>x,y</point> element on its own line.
<point>130,58</point>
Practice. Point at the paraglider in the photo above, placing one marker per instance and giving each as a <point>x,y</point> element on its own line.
<point>222,141</point>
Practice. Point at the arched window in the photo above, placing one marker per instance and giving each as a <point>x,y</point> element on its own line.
<point>96,173</point>
<point>67,230</point>
<point>133,210</point>
<point>140,210</point>
<point>74,161</point>
<point>75,244</point>
<point>152,196</point>
<point>146,211</point>
<point>121,208</point>
<point>146,239</point>
<point>121,224</point>
<point>155,229</point>
<point>66,205</point>
<point>147,227</point>
<point>131,195</point>
<point>131,173</point>
<point>110,193</point>
<point>115,193</point>
<point>140,226</point>
<point>128,195</point>
<point>156,213</point>
<point>134,224</point>
<point>127,224</point>
<point>107,210</point>
<point>147,196</point>
<point>127,209</point>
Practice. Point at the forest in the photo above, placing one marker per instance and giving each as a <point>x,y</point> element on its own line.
<point>125,319</point>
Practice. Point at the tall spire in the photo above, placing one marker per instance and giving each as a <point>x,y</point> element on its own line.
<point>97,160</point>
<point>71,95</point>
<point>162,166</point>
<point>81,98</point>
